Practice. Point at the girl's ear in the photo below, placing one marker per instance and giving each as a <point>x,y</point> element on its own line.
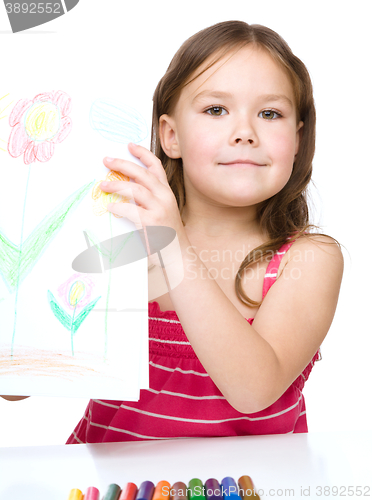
<point>168,136</point>
<point>299,135</point>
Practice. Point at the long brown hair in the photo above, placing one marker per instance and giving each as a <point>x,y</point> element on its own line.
<point>284,216</point>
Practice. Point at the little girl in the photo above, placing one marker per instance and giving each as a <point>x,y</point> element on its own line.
<point>232,146</point>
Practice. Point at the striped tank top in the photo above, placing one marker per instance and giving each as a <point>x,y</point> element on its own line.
<point>182,400</point>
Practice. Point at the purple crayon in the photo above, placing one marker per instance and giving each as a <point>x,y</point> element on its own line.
<point>212,489</point>
<point>145,491</point>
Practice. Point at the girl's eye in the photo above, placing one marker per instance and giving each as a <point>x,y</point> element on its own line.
<point>216,111</point>
<point>269,114</point>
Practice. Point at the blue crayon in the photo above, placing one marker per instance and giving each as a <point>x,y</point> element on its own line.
<point>212,489</point>
<point>145,491</point>
<point>230,489</point>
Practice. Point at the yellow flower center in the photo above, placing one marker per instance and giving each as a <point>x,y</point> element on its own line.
<point>111,198</point>
<point>76,292</point>
<point>42,121</point>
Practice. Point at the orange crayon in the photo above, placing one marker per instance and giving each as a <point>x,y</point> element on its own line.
<point>162,491</point>
<point>246,488</point>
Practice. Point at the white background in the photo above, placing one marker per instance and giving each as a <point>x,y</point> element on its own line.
<point>130,44</point>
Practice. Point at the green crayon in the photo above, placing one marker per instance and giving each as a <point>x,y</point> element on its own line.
<point>113,492</point>
<point>196,490</point>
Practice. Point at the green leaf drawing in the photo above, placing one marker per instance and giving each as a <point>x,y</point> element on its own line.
<point>105,251</point>
<point>83,314</point>
<point>64,318</point>
<point>37,242</point>
<point>59,313</point>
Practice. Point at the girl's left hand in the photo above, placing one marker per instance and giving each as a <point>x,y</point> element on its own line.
<point>156,203</point>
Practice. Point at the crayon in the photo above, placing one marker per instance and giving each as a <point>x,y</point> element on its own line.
<point>91,494</point>
<point>230,489</point>
<point>75,494</point>
<point>213,489</point>
<point>162,491</point>
<point>179,491</point>
<point>113,492</point>
<point>129,492</point>
<point>196,490</point>
<point>246,488</point>
<point>145,491</point>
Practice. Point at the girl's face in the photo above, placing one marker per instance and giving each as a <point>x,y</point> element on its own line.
<point>236,131</point>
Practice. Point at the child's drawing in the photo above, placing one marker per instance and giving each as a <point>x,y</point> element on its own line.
<point>117,122</point>
<point>75,293</point>
<point>100,202</point>
<point>87,352</point>
<point>38,124</point>
<point>17,261</point>
<point>102,199</point>
<point>13,268</point>
<point>2,116</point>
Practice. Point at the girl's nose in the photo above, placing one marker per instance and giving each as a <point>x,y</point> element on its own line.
<point>244,133</point>
<point>239,139</point>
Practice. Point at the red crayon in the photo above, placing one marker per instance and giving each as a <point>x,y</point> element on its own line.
<point>129,492</point>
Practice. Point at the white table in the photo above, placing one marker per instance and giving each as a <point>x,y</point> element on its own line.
<point>283,466</point>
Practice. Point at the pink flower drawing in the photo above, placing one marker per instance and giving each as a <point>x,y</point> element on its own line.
<point>76,291</point>
<point>38,125</point>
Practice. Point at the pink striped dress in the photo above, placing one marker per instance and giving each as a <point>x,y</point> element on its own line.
<point>182,400</point>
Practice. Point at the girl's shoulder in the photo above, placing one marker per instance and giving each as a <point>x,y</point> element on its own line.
<point>313,249</point>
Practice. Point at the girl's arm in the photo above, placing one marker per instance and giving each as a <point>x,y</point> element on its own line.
<point>14,398</point>
<point>252,365</point>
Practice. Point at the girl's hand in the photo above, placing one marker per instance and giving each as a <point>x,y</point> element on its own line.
<point>156,206</point>
<point>156,203</point>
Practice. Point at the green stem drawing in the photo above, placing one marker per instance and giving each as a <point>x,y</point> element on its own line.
<point>71,329</point>
<point>19,263</point>
<point>108,290</point>
<point>111,255</point>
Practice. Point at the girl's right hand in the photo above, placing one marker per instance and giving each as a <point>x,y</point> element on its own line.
<point>155,205</point>
<point>14,398</point>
